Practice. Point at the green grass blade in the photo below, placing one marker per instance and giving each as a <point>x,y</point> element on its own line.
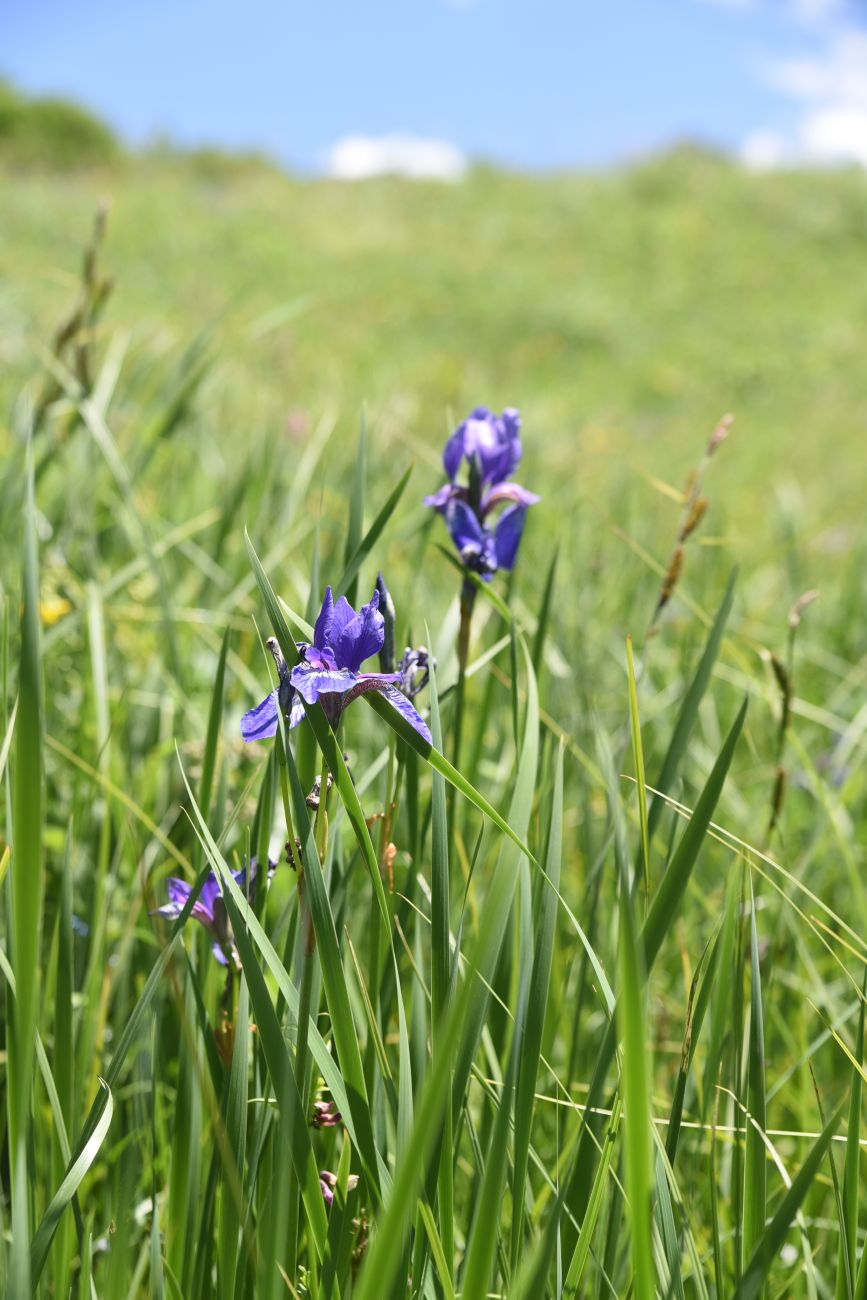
<point>486,1218</point>
<point>689,709</point>
<point>544,615</point>
<point>673,884</point>
<point>442,765</point>
<point>64,1054</point>
<point>212,737</point>
<point>349,576</point>
<point>720,1020</point>
<point>26,883</point>
<point>437,1250</point>
<point>660,918</point>
<point>755,1167</point>
<point>294,1139</point>
<point>636,1070</point>
<point>537,1005</point>
<point>441,960</point>
<point>774,1235</point>
<point>638,763</point>
<point>42,1239</point>
<point>851,1180</point>
<point>581,1253</point>
<point>236,1131</point>
<point>699,998</point>
<point>355,523</point>
<point>670,1242</point>
<point>334,982</point>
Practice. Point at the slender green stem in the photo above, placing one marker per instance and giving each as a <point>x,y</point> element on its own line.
<point>306,964</point>
<point>468,601</point>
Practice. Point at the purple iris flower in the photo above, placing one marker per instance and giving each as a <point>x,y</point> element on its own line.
<point>329,671</point>
<point>491,446</point>
<point>209,910</point>
<point>491,441</point>
<point>328,1185</point>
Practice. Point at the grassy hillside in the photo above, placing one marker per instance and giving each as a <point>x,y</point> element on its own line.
<point>625,312</point>
<point>220,384</point>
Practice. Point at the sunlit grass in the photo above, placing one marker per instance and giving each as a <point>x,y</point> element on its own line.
<point>590,1003</point>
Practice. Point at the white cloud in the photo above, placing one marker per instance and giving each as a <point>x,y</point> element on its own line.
<point>831,87</point>
<point>763,150</point>
<point>826,137</point>
<point>358,157</point>
<point>835,135</point>
<point>837,75</point>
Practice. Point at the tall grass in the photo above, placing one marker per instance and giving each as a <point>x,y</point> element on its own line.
<point>591,1027</point>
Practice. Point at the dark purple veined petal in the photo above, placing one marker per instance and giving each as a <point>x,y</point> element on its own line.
<point>362,636</point>
<point>507,535</point>
<point>365,682</point>
<point>407,710</point>
<point>512,492</point>
<point>343,615</point>
<point>312,682</point>
<point>316,658</point>
<point>296,713</point>
<point>261,722</point>
<point>322,630</point>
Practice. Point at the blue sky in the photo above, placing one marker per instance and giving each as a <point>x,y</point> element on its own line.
<point>526,83</point>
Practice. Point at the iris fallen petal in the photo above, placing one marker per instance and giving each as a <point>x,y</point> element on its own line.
<point>261,722</point>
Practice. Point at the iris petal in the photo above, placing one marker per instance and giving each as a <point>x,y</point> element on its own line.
<point>507,492</point>
<point>473,541</point>
<point>261,722</point>
<point>362,637</point>
<point>322,630</point>
<point>440,499</point>
<point>313,682</point>
<point>507,535</point>
<point>407,710</point>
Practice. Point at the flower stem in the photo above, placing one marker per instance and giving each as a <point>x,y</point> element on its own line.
<point>468,601</point>
<point>306,962</point>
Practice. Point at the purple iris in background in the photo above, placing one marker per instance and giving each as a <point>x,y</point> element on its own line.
<point>329,671</point>
<point>491,446</point>
<point>209,910</point>
<point>328,1185</point>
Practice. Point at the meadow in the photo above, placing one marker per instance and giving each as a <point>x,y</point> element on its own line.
<point>585,980</point>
